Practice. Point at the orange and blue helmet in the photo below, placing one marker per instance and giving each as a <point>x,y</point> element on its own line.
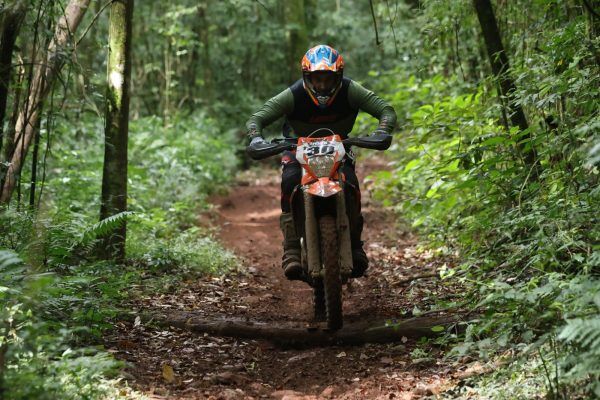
<point>322,72</point>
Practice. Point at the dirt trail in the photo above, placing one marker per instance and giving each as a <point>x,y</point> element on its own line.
<point>174,364</point>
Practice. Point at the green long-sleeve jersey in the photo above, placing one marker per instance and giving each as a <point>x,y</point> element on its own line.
<point>303,116</point>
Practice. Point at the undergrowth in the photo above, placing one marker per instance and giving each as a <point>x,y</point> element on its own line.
<point>527,234</point>
<point>56,299</point>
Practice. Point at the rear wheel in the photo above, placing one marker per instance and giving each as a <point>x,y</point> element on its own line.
<point>332,282</point>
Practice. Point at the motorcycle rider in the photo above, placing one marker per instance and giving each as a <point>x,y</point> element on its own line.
<point>323,98</point>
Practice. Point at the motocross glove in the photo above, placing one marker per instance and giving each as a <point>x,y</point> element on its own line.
<point>253,132</point>
<point>378,140</point>
<point>257,140</point>
<point>379,131</point>
<point>381,139</point>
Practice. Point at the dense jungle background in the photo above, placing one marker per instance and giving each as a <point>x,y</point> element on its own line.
<point>493,173</point>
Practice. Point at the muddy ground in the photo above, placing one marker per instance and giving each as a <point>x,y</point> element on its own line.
<point>168,363</point>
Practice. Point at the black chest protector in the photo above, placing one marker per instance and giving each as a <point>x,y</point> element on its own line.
<point>339,116</point>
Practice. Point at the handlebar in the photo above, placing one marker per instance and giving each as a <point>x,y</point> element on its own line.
<point>261,151</point>
<point>378,141</point>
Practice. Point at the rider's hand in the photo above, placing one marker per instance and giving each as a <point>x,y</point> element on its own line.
<point>378,140</point>
<point>258,140</point>
<point>348,143</point>
<point>379,132</point>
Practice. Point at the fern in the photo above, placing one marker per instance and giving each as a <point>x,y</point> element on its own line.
<point>11,272</point>
<point>8,259</point>
<point>585,332</point>
<point>104,227</point>
<point>583,364</point>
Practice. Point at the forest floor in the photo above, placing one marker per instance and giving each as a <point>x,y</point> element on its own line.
<point>178,364</point>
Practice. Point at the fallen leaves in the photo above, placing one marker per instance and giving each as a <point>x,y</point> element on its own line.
<point>386,360</point>
<point>301,356</point>
<point>168,374</point>
<point>178,364</point>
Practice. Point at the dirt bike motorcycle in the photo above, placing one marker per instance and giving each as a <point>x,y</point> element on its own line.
<point>320,213</point>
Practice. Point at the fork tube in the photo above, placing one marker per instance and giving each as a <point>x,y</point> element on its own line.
<point>312,236</point>
<point>343,226</point>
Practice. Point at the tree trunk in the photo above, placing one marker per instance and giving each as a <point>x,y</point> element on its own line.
<point>3,350</point>
<point>44,77</point>
<point>114,176</point>
<point>500,68</point>
<point>168,76</point>
<point>414,4</point>
<point>9,133</point>
<point>34,165</point>
<point>593,9</point>
<point>11,23</point>
<point>297,37</point>
<point>204,31</point>
<point>191,70</point>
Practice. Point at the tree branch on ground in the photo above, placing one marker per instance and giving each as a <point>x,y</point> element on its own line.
<point>387,331</point>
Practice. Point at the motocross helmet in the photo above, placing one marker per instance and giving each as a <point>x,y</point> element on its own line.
<point>322,72</point>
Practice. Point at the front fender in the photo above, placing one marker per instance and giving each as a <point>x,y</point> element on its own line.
<point>324,187</point>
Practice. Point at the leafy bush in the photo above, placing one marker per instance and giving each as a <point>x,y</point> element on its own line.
<point>528,234</point>
<point>56,299</point>
<point>34,348</point>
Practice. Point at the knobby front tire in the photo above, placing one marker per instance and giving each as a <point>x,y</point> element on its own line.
<point>319,307</point>
<point>332,281</point>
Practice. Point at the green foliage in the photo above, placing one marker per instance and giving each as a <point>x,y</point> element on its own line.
<point>188,251</point>
<point>527,234</point>
<point>105,226</point>
<point>59,300</point>
<point>525,380</point>
<point>182,162</point>
<point>16,228</point>
<point>583,331</point>
<point>35,348</point>
<point>66,376</point>
<point>583,338</point>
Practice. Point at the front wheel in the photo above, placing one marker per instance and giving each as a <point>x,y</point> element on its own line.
<point>332,282</point>
<point>320,314</point>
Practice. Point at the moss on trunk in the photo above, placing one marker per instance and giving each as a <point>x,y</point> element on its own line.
<point>114,178</point>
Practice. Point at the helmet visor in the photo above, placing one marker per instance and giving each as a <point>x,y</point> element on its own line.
<point>324,82</point>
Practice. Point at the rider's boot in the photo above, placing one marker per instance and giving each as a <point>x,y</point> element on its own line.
<point>291,261</point>
<point>360,262</point>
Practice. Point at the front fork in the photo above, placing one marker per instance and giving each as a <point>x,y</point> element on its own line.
<point>311,236</point>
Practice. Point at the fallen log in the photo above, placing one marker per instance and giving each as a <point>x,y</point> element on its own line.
<point>382,331</point>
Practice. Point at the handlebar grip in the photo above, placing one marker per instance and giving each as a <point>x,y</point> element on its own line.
<point>376,142</point>
<point>260,151</point>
